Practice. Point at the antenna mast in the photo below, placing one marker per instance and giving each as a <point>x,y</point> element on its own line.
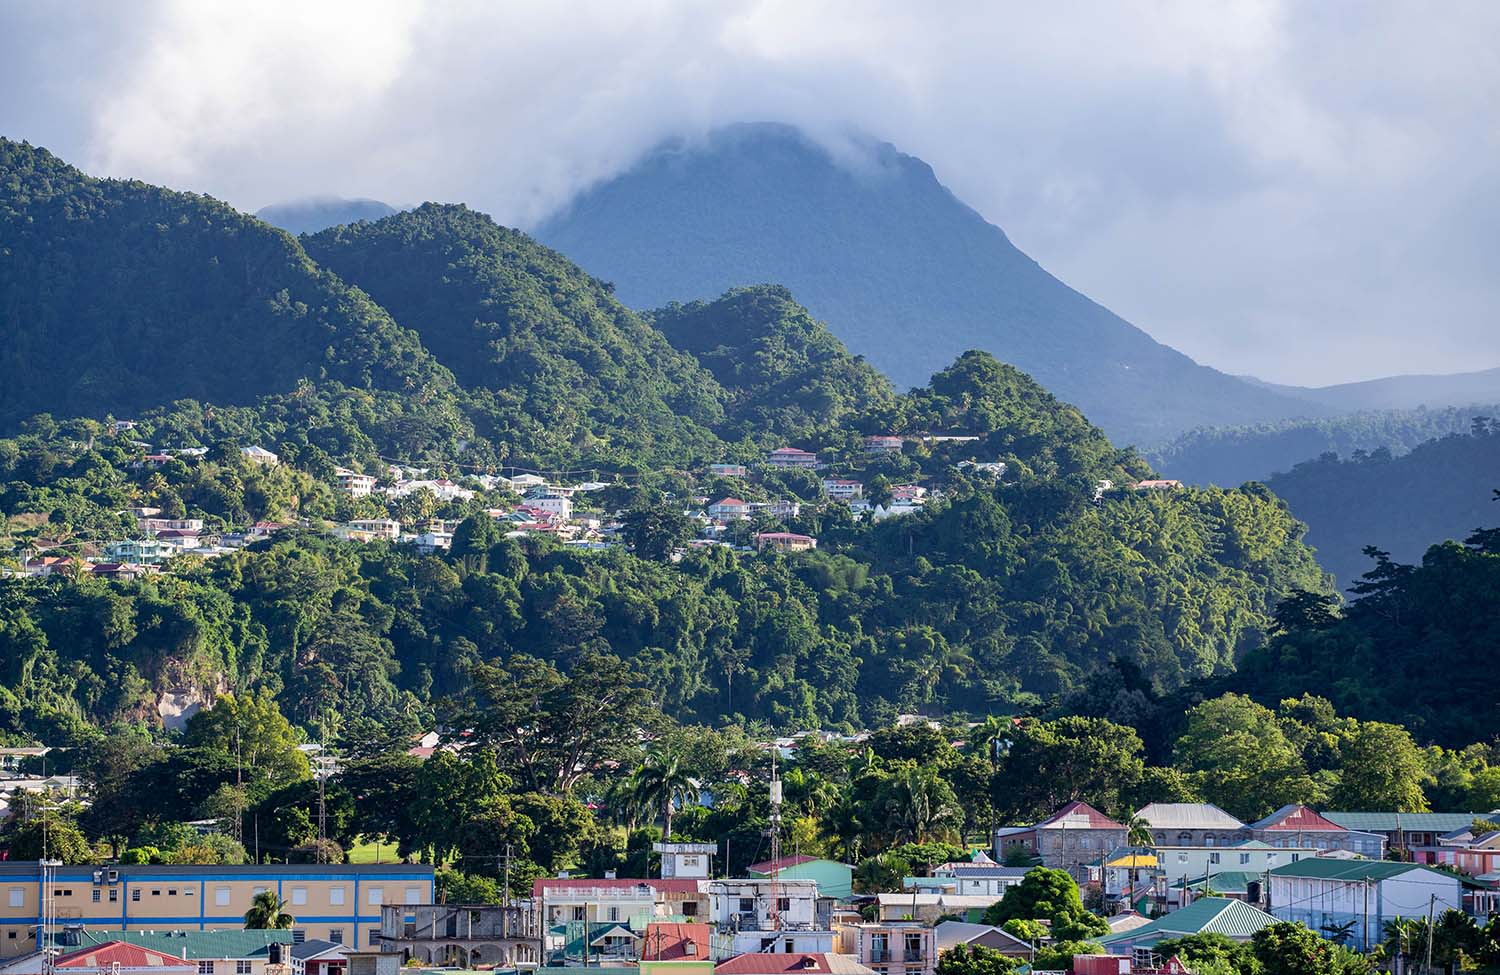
<point>775,912</point>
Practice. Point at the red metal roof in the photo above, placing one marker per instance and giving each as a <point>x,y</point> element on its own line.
<point>766,866</point>
<point>113,953</point>
<point>1298,818</point>
<point>670,940</point>
<point>1079,815</point>
<point>624,883</point>
<point>774,963</point>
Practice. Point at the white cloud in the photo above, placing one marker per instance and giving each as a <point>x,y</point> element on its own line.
<point>1304,191</point>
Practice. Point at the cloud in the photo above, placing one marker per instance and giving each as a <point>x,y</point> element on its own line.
<point>1302,191</point>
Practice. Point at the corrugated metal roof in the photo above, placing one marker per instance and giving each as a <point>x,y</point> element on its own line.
<point>1188,815</point>
<point>198,945</point>
<point>1078,815</point>
<point>1385,822</point>
<point>1228,882</point>
<point>1297,817</point>
<point>1354,871</point>
<point>123,954</point>
<point>1221,915</point>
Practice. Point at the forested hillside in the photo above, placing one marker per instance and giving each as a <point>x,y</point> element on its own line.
<point>1234,455</point>
<point>903,273</point>
<point>118,296</point>
<point>1401,505</point>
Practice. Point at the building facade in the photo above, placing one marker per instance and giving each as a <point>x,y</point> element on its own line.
<point>1326,892</point>
<point>891,947</point>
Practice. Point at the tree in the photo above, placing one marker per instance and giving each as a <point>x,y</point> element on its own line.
<point>268,912</point>
<point>1238,757</point>
<point>1211,952</point>
<point>1380,767</point>
<point>1056,762</point>
<point>251,732</point>
<point>920,805</point>
<point>48,836</point>
<point>1138,832</point>
<point>1286,948</point>
<point>655,532</point>
<point>473,539</point>
<point>1045,894</point>
<point>662,783</point>
<point>972,959</point>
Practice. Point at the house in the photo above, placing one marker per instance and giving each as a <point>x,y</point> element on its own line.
<point>1131,876</point>
<point>1234,919</point>
<point>1179,864</point>
<point>260,455</point>
<point>1326,891</point>
<point>1010,839</point>
<point>52,565</point>
<point>523,482</point>
<point>790,458</point>
<point>332,902</point>
<point>929,907</point>
<point>369,530</point>
<point>1414,833</point>
<point>686,860</point>
<point>114,957</point>
<point>1158,485</point>
<point>458,935</point>
<point>211,952</point>
<point>840,489</point>
<point>673,948</point>
<point>1476,854</point>
<point>882,446</point>
<point>950,933</point>
<point>834,879</point>
<point>118,570</point>
<point>729,509</point>
<point>1192,824</point>
<point>179,538</point>
<point>728,470</point>
<point>895,510</point>
<point>552,502</point>
<point>1077,837</point>
<point>772,915</point>
<point>265,529</point>
<point>784,542</point>
<point>358,485</point>
<point>891,947</point>
<point>780,508</point>
<point>908,493</point>
<point>431,540</point>
<point>981,879</point>
<point>792,963</point>
<point>1298,826</point>
<point>150,525</point>
<point>317,957</point>
<point>610,900</point>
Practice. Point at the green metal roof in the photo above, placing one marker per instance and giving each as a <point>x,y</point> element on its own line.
<point>196,945</point>
<point>1329,868</point>
<point>1222,915</point>
<point>1385,822</point>
<point>1229,881</point>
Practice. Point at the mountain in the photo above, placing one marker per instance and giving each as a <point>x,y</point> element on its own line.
<point>902,271</point>
<point>1233,455</point>
<point>116,296</point>
<point>558,369</point>
<point>783,370</point>
<point>1442,489</point>
<point>319,213</point>
<point>1399,392</point>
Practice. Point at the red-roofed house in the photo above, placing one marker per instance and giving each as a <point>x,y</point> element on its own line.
<point>729,509</point>
<point>118,956</point>
<point>672,948</point>
<point>784,542</point>
<point>791,963</point>
<point>1298,826</point>
<point>788,458</point>
<point>1077,836</point>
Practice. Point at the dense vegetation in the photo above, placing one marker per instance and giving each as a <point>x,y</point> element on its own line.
<point>1399,504</point>
<point>904,273</point>
<point>1234,455</point>
<point>153,295</point>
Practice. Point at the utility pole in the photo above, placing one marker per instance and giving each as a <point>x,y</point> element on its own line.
<point>1431,905</point>
<point>1366,937</point>
<point>775,912</point>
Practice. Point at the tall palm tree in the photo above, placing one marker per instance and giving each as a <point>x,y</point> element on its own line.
<point>1138,832</point>
<point>662,782</point>
<point>267,911</point>
<point>922,807</point>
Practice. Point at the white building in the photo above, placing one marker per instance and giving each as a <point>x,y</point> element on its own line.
<point>369,529</point>
<point>729,509</point>
<point>552,503</point>
<point>358,485</point>
<point>1180,863</point>
<point>772,915</point>
<point>686,860</point>
<point>1326,891</point>
<point>260,455</point>
<point>840,489</point>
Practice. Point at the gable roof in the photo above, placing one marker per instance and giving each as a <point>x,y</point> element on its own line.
<point>951,933</point>
<point>1221,915</point>
<point>1298,817</point>
<point>1226,882</point>
<point>1385,822</point>
<point>1078,815</point>
<point>791,963</point>
<point>198,945</point>
<point>1187,815</point>
<point>1352,871</point>
<point>315,947</point>
<point>670,941</point>
<point>766,866</point>
<point>119,953</point>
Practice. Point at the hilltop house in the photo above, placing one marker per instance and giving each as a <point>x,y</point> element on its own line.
<point>840,489</point>
<point>358,485</point>
<point>1158,485</point>
<point>882,446</point>
<point>1192,824</point>
<point>729,509</point>
<point>260,455</point>
<point>728,470</point>
<point>790,458</point>
<point>784,542</point>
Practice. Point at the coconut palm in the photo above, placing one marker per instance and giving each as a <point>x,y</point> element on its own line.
<point>267,911</point>
<point>1138,832</point>
<point>662,782</point>
<point>921,807</point>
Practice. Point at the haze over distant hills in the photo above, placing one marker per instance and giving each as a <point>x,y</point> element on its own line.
<point>903,272</point>
<point>1400,392</point>
<point>317,213</point>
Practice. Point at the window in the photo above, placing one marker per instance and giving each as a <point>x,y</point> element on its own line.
<point>413,895</point>
<point>336,935</point>
<point>299,936</point>
<point>221,896</point>
<point>1296,857</point>
<point>65,892</point>
<point>1244,858</point>
<point>578,914</point>
<point>375,895</point>
<point>257,890</point>
<point>690,861</point>
<point>299,896</point>
<point>242,967</point>
<point>783,904</point>
<point>171,891</point>
<point>374,937</point>
<point>790,946</point>
<point>94,895</point>
<point>1213,858</point>
<point>689,908</point>
<point>11,935</point>
<point>335,897</point>
<point>747,905</point>
<point>1208,841</point>
<point>614,913</point>
<point>114,895</point>
<point>206,967</point>
<point>17,897</point>
<point>135,895</point>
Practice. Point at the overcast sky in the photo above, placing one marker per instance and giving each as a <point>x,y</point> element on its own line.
<point>1305,191</point>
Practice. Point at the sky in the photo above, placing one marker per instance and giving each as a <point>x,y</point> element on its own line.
<point>1306,192</point>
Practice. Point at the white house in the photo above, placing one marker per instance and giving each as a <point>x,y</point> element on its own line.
<point>1327,891</point>
<point>369,529</point>
<point>1188,863</point>
<point>842,490</point>
<point>260,455</point>
<point>793,920</point>
<point>790,458</point>
<point>358,485</point>
<point>552,503</point>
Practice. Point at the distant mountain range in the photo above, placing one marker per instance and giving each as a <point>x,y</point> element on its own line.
<point>903,272</point>
<point>321,212</point>
<point>1399,392</point>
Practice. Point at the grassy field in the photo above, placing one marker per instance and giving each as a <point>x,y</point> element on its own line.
<point>366,852</point>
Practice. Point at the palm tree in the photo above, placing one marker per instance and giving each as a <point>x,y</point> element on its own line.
<point>267,911</point>
<point>1138,832</point>
<point>922,806</point>
<point>662,782</point>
